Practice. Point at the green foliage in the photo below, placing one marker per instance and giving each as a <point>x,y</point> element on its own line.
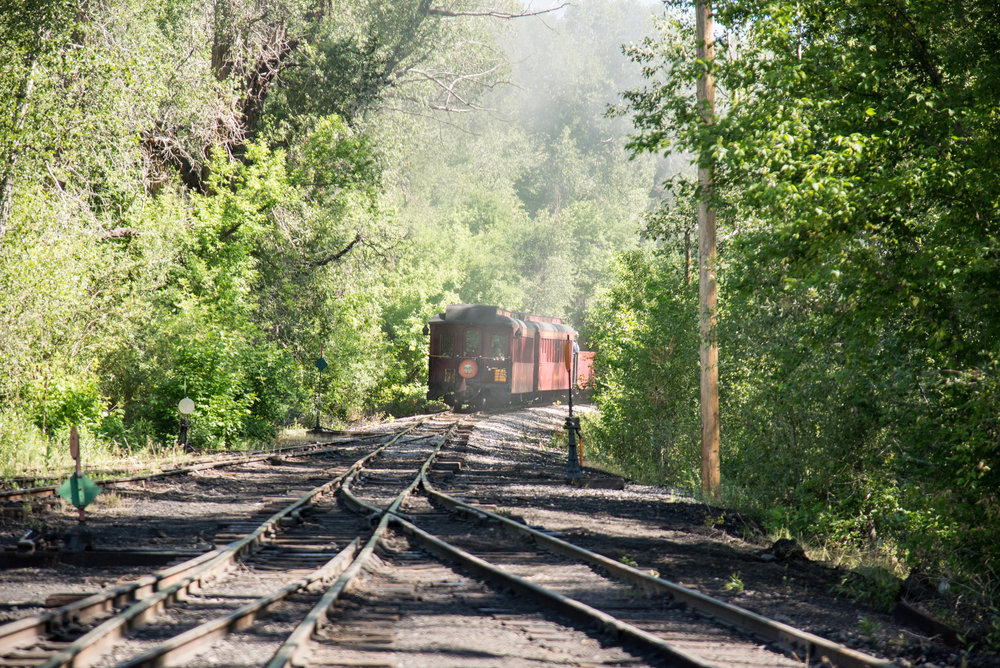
<point>872,585</point>
<point>64,401</point>
<point>197,199</point>
<point>628,560</point>
<point>402,400</point>
<point>869,627</point>
<point>646,369</point>
<point>118,289</point>
<point>242,387</point>
<point>857,189</point>
<point>333,157</point>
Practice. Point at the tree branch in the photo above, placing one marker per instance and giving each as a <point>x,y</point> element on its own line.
<point>449,87</point>
<point>118,233</point>
<point>333,257</point>
<point>20,112</point>
<point>493,13</point>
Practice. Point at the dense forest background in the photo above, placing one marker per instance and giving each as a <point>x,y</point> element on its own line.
<point>201,198</point>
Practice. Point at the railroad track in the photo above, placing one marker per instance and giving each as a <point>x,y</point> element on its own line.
<point>207,491</point>
<point>286,547</point>
<point>387,590</point>
<point>656,621</point>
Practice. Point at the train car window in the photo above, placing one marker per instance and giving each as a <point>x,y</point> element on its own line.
<point>471,342</point>
<point>446,344</point>
<point>498,346</point>
<point>552,351</point>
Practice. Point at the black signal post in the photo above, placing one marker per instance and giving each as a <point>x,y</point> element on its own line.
<point>320,365</point>
<point>573,470</point>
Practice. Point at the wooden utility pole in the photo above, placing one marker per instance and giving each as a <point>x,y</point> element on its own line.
<point>707,260</point>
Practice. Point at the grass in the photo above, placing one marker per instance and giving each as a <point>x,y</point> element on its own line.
<point>869,628</point>
<point>49,459</point>
<point>296,436</point>
<point>27,455</point>
<point>735,584</point>
<point>628,560</point>
<point>592,458</point>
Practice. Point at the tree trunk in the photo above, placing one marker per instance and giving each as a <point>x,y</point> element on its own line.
<point>9,170</point>
<point>707,285</point>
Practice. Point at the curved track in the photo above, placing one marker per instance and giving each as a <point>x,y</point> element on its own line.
<point>290,545</point>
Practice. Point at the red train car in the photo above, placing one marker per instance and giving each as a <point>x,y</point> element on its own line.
<point>488,356</point>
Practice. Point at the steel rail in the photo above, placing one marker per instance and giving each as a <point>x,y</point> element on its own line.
<point>571,608</point>
<point>188,643</point>
<point>297,642</point>
<point>98,640</point>
<point>805,645</point>
<point>358,505</point>
<point>31,629</point>
<point>185,645</point>
<point>150,593</point>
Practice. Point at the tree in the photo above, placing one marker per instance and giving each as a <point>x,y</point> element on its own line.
<point>30,31</point>
<point>268,68</point>
<point>861,317</point>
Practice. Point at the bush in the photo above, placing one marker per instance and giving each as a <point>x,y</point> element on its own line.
<point>23,447</point>
<point>243,387</point>
<point>58,402</point>
<point>646,371</point>
<point>403,400</point>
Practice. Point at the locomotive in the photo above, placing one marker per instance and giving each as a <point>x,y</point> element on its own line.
<point>486,356</point>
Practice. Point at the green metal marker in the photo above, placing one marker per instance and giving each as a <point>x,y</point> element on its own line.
<point>79,489</point>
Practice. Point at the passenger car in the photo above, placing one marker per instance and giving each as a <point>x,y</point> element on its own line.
<point>486,356</point>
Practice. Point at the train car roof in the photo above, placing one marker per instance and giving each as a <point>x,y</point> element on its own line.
<point>479,314</point>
